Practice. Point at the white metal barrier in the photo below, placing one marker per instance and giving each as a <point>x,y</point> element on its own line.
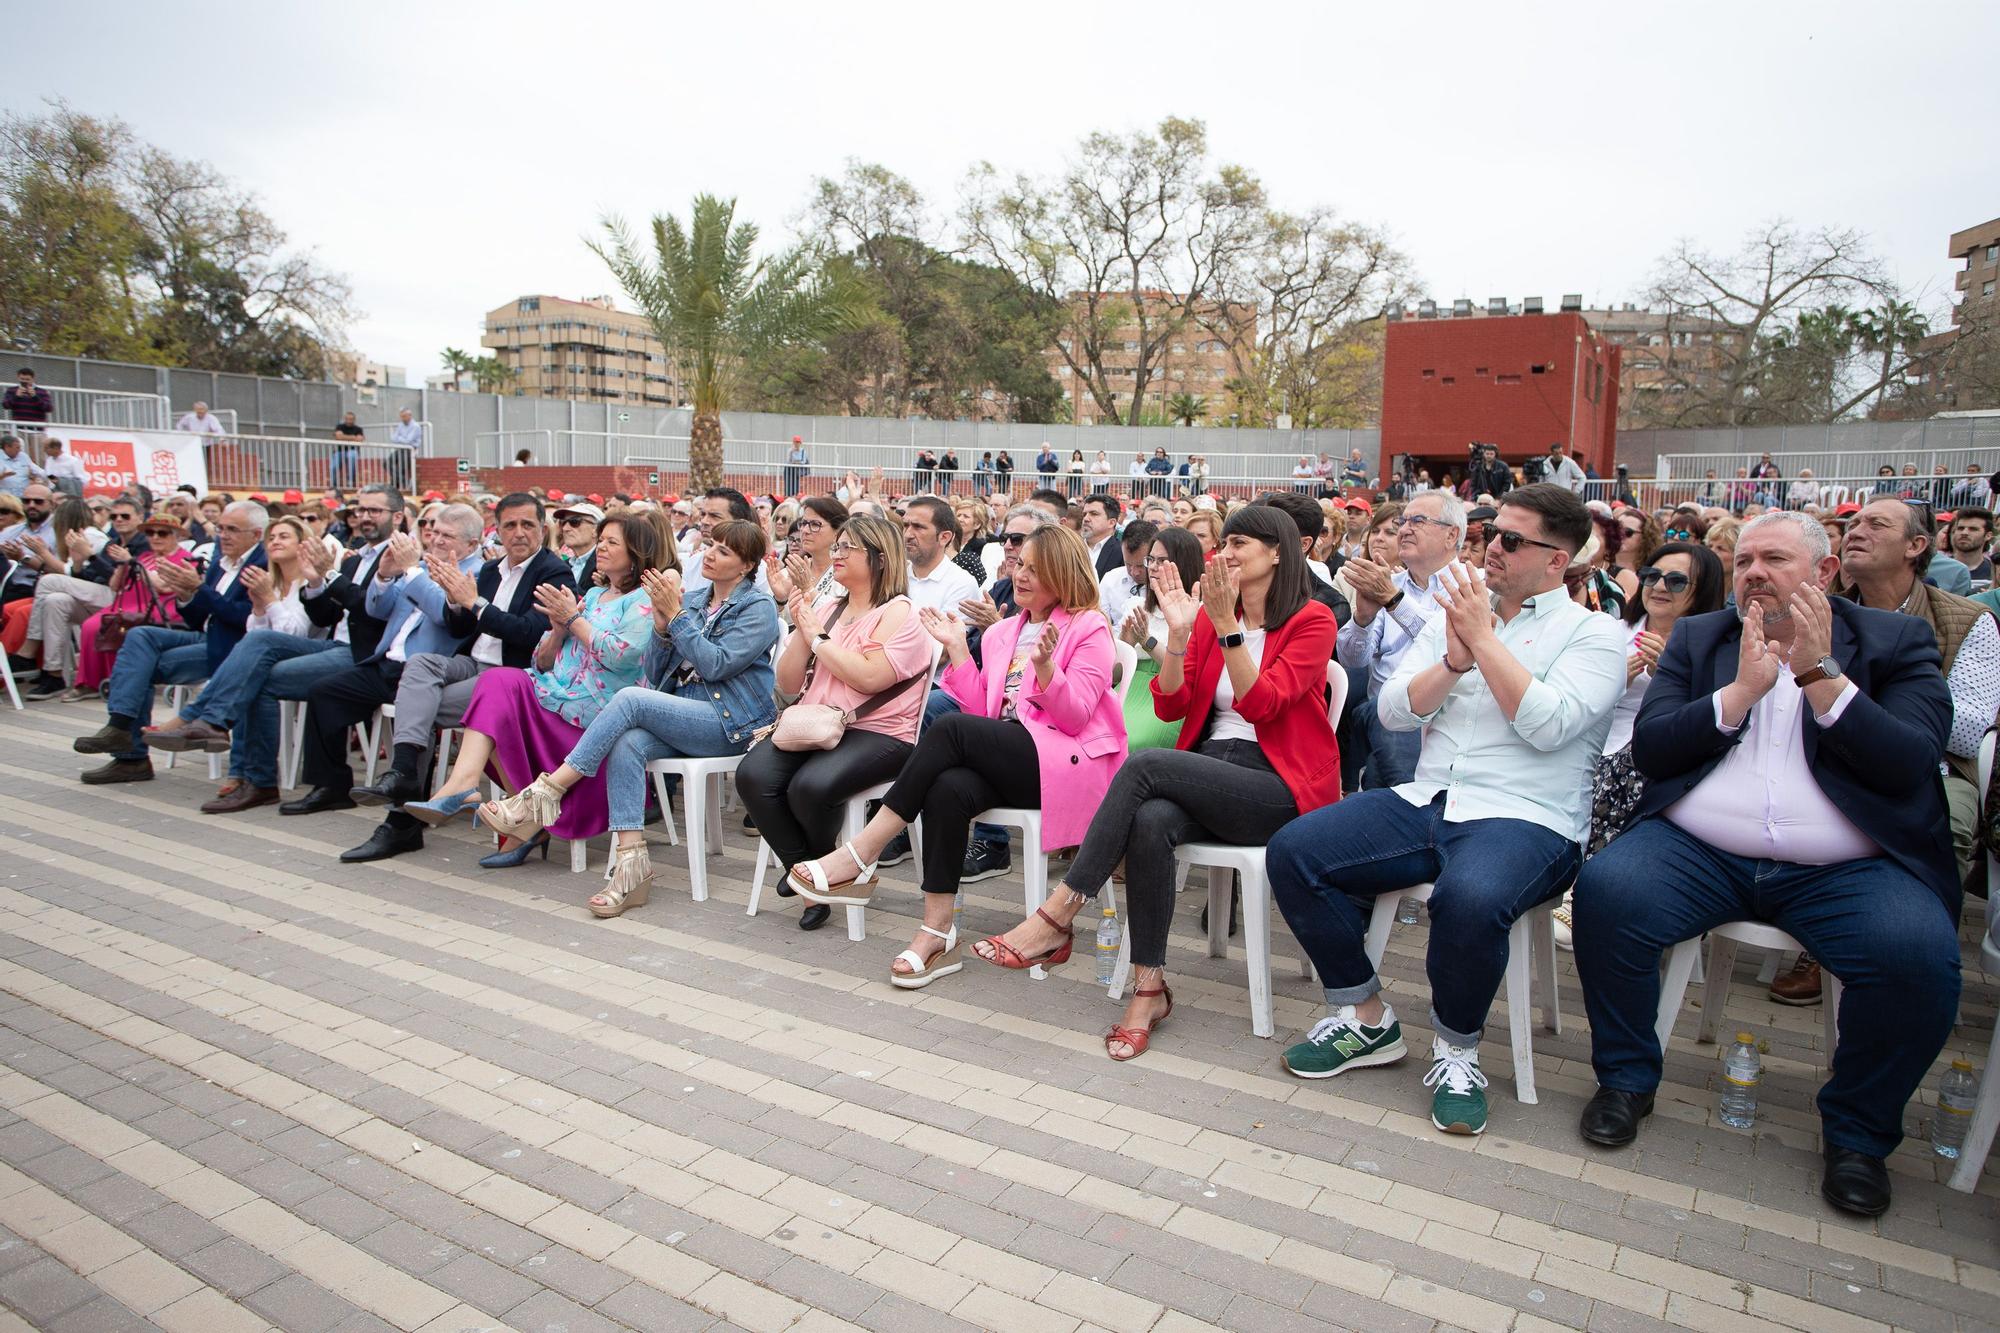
<point>101,407</point>
<point>280,463</point>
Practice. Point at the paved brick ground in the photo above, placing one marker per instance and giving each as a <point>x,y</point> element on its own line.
<point>244,1088</point>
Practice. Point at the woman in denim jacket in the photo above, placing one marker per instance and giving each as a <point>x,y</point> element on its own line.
<point>707,688</point>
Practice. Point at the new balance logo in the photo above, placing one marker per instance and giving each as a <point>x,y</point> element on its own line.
<point>1350,1044</point>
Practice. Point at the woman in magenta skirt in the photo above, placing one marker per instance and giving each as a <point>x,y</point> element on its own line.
<point>523,723</point>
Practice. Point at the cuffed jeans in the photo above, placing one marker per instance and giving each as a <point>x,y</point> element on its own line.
<point>266,669</point>
<point>1392,755</point>
<point>638,726</point>
<point>1328,867</point>
<point>1871,923</point>
<point>153,655</point>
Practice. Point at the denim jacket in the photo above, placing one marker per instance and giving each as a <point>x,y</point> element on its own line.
<point>730,653</point>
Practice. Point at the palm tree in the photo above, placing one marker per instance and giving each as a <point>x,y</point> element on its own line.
<point>458,363</point>
<point>717,309</point>
<point>1186,408</point>
<point>1897,325</point>
<point>492,374</point>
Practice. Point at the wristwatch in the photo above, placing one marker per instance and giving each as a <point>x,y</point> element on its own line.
<point>479,606</point>
<point>1390,605</point>
<point>1824,669</point>
<point>1151,643</point>
<point>1235,640</point>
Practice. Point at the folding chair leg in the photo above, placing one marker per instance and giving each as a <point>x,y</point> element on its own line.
<point>1035,875</point>
<point>579,855</point>
<point>1123,968</point>
<point>1520,1000</point>
<point>1985,1120</point>
<point>714,786</point>
<point>666,808</point>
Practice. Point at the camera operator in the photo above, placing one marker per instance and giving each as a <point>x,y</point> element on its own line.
<point>1487,474</point>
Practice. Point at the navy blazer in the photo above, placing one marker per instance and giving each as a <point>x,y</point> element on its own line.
<point>1878,764</point>
<point>518,625</point>
<point>221,616</point>
<point>348,596</point>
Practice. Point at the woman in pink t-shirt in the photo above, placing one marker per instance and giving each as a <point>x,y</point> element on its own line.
<point>864,651</point>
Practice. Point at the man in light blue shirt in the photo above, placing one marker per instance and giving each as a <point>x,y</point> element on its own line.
<point>17,470</point>
<point>1513,685</point>
<point>408,432</point>
<point>1391,610</point>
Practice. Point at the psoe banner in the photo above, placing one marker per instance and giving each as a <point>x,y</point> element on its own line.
<point>114,460</point>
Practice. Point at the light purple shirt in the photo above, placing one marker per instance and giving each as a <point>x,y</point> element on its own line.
<point>1762,800</point>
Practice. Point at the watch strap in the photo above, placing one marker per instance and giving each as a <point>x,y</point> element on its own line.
<point>1811,677</point>
<point>1235,640</point>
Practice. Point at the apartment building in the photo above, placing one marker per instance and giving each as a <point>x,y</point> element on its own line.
<point>1979,281</point>
<point>588,350</point>
<point>1200,359</point>
<point>1664,355</point>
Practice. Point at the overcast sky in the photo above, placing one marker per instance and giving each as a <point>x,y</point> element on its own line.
<point>451,158</point>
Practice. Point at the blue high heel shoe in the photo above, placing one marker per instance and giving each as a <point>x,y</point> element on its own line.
<point>507,860</point>
<point>443,809</point>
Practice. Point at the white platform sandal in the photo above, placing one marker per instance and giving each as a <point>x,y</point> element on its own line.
<point>924,971</point>
<point>808,880</point>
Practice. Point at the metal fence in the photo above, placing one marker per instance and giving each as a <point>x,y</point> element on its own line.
<point>279,463</point>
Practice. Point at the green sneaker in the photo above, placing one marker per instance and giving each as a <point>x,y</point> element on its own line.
<point>1459,1104</point>
<point>1340,1042</point>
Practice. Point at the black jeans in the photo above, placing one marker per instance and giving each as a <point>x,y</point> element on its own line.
<point>797,796</point>
<point>1224,792</point>
<point>963,764</point>
<point>334,705</point>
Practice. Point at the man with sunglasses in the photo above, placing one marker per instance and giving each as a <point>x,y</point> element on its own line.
<point>576,530</point>
<point>1391,610</point>
<point>64,601</point>
<point>1791,752</point>
<point>1513,685</point>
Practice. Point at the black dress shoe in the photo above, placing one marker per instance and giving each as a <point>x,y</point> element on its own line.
<point>107,739</point>
<point>318,799</point>
<point>119,770</point>
<point>48,687</point>
<point>1855,1182</point>
<point>386,841</point>
<point>1612,1117</point>
<point>392,790</point>
<point>814,916</point>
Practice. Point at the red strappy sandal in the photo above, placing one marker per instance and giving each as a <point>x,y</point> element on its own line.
<point>1006,955</point>
<point>1140,1038</point>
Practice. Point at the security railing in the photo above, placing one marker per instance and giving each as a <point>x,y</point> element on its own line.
<point>99,407</point>
<point>383,428</point>
<point>280,463</point>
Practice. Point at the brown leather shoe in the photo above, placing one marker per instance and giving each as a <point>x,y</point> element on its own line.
<point>1800,986</point>
<point>118,770</point>
<point>236,796</point>
<point>188,736</point>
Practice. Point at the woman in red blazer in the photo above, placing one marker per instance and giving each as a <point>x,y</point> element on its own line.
<point>1245,674</point>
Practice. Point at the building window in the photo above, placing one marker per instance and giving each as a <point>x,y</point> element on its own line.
<point>1992,253</point>
<point>1506,379</point>
<point>1479,370</point>
<point>1430,374</point>
<point>1987,289</point>
<point>1538,368</point>
<point>1450,379</point>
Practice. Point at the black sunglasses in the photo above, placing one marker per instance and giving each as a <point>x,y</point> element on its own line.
<point>1677,582</point>
<point>1016,539</point>
<point>1511,542</point>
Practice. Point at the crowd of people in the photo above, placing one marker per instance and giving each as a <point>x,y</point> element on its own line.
<point>1658,720</point>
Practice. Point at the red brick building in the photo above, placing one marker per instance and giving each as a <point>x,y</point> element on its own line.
<point>1518,381</point>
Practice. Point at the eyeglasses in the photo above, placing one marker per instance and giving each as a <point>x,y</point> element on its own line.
<point>1155,561</point>
<point>1015,539</point>
<point>810,525</point>
<point>842,547</point>
<point>1416,521</point>
<point>426,522</point>
<point>1511,542</point>
<point>571,520</point>
<point>233,530</point>
<point>1679,534</point>
<point>1676,582</point>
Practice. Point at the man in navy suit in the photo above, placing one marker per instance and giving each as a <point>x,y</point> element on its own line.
<point>214,606</point>
<point>1791,750</point>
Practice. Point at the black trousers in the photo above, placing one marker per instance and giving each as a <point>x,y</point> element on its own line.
<point>334,705</point>
<point>797,796</point>
<point>1224,792</point>
<point>962,765</point>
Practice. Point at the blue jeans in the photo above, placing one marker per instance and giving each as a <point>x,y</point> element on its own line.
<point>1870,923</point>
<point>153,655</point>
<point>1328,867</point>
<point>637,727</point>
<point>940,705</point>
<point>266,667</point>
<point>1392,755</point>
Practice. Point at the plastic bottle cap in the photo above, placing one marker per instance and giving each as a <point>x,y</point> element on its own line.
<point>1746,1038</point>
<point>1108,912</point>
<point>1966,1065</point>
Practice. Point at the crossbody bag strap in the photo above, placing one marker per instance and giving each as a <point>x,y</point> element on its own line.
<point>812,661</point>
<point>884,699</point>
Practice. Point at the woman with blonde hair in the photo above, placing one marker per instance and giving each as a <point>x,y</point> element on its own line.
<point>1206,525</point>
<point>1039,727</point>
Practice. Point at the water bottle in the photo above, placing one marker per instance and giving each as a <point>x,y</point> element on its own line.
<point>1956,1094</point>
<point>1406,912</point>
<point>1742,1070</point>
<point>1107,948</point>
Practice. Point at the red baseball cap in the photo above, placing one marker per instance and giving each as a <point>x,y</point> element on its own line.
<point>295,497</point>
<point>594,498</point>
<point>1847,510</point>
<point>330,502</point>
<point>1358,502</point>
<point>261,498</point>
<point>433,495</point>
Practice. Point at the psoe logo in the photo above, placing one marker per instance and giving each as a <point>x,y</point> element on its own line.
<point>108,465</point>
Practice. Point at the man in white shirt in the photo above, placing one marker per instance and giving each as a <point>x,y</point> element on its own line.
<point>1392,607</point>
<point>719,505</point>
<point>1514,708</point>
<point>1118,590</point>
<point>1101,513</point>
<point>930,539</point>
<point>63,467</point>
<point>1562,469</point>
<point>1791,750</point>
<point>199,421</point>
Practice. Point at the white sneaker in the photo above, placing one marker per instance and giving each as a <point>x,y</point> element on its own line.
<point>1561,914</point>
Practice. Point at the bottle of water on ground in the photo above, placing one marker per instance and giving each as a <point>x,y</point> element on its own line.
<point>1956,1094</point>
<point>1742,1070</point>
<point>1107,947</point>
<point>1406,912</point>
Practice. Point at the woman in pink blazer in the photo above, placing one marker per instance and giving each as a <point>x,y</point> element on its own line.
<point>1039,727</point>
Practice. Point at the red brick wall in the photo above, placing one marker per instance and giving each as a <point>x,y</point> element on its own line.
<point>1448,382</point>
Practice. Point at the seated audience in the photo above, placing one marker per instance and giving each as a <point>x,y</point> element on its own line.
<point>861,651</point>
<point>1117,590</point>
<point>576,538</point>
<point>707,689</point>
<point>1306,514</point>
<point>1040,727</point>
<point>807,565</point>
<point>1514,708</point>
<point>134,602</point>
<point>930,540</point>
<point>214,608</point>
<point>64,601</point>
<point>1394,602</point>
<point>75,544</point>
<point>522,722</point>
<point>1791,755</point>
<point>1175,552</point>
<point>1245,675</point>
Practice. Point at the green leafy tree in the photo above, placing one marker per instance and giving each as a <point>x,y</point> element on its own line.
<point>718,309</point>
<point>492,375</point>
<point>1896,329</point>
<point>1186,408</point>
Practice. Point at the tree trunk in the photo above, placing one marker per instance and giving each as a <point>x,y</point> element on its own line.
<point>704,451</point>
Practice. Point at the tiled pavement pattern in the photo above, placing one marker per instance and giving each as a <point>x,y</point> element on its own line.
<point>244,1087</point>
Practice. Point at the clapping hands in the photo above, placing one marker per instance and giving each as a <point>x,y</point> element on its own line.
<point>947,630</point>
<point>557,601</point>
<point>663,587</point>
<point>458,587</point>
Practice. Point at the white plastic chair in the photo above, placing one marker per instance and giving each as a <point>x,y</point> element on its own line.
<point>1722,942</point>
<point>1985,1111</point>
<point>179,697</point>
<point>701,802</point>
<point>1248,865</point>
<point>7,676</point>
<point>853,819</point>
<point>1531,955</point>
<point>1035,860</point>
